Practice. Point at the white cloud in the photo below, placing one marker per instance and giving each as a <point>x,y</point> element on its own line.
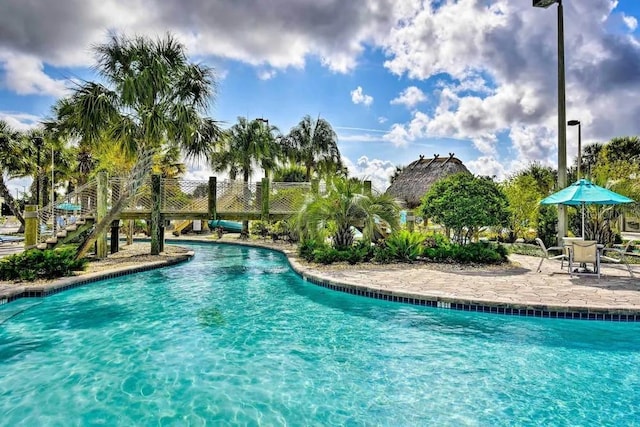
<point>410,97</point>
<point>630,21</point>
<point>375,170</point>
<point>382,120</point>
<point>358,97</point>
<point>266,74</point>
<point>487,166</point>
<point>360,138</point>
<point>24,75</point>
<point>20,121</point>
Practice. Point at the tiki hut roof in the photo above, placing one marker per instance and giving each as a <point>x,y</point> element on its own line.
<point>413,182</point>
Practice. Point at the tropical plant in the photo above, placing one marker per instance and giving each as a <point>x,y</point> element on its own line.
<point>314,144</point>
<point>523,197</point>
<point>346,205</point>
<point>292,173</point>
<point>464,203</point>
<point>405,245</point>
<point>14,163</point>
<point>149,96</point>
<point>245,144</point>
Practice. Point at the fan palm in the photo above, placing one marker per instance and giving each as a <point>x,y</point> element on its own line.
<point>15,155</point>
<point>314,144</point>
<point>344,206</point>
<point>151,95</point>
<point>244,144</point>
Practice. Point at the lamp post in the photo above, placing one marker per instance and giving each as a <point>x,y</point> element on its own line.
<point>562,115</point>
<point>38,141</point>
<point>574,123</point>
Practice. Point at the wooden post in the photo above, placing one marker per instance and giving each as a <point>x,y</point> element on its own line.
<point>411,220</point>
<point>30,226</point>
<point>130,232</point>
<point>156,225</point>
<point>115,225</point>
<point>265,199</point>
<point>213,193</point>
<point>101,213</point>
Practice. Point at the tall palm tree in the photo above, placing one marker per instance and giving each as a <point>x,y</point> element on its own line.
<point>244,144</point>
<point>15,157</point>
<point>314,144</point>
<point>346,205</point>
<point>151,95</point>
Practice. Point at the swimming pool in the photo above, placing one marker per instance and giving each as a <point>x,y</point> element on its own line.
<point>234,337</point>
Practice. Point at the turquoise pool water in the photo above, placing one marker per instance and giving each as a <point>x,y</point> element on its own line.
<point>234,337</point>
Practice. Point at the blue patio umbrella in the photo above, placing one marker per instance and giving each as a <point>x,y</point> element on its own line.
<point>66,206</point>
<point>584,192</point>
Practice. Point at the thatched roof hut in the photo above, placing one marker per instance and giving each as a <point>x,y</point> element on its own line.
<point>415,179</point>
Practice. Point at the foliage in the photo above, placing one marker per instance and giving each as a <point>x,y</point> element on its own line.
<point>324,254</point>
<point>14,162</point>
<point>523,197</point>
<point>247,142</point>
<point>36,264</point>
<point>405,245</point>
<point>307,248</point>
<point>259,228</point>
<point>346,205</point>
<point>149,99</point>
<point>464,203</point>
<point>547,224</point>
<point>314,144</point>
<point>293,173</point>
<point>477,252</point>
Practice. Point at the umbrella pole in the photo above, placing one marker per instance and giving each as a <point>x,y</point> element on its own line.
<point>583,221</point>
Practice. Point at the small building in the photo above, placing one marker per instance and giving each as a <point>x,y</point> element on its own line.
<point>414,180</point>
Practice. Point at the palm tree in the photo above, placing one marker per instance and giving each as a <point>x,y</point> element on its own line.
<point>151,95</point>
<point>245,143</point>
<point>314,144</point>
<point>346,205</point>
<point>15,162</point>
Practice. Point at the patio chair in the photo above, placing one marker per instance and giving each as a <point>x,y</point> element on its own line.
<point>563,256</point>
<point>622,255</point>
<point>584,252</point>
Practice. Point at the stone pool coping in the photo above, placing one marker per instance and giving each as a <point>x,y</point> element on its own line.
<point>48,288</point>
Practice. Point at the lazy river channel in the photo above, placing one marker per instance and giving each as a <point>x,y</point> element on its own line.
<point>235,337</point>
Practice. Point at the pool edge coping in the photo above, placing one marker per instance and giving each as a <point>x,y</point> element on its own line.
<point>72,282</point>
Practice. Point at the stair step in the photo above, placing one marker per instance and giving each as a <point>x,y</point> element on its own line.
<point>61,234</point>
<point>51,241</point>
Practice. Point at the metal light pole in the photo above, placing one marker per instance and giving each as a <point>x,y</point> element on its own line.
<point>574,123</point>
<point>562,116</point>
<point>38,141</point>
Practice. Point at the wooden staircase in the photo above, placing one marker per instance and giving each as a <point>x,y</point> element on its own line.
<point>182,226</point>
<point>69,233</point>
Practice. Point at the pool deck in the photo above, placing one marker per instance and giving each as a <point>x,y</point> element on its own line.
<point>517,289</point>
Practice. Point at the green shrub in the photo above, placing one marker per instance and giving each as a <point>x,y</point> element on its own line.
<point>259,228</point>
<point>329,255</point>
<point>382,255</point>
<point>36,264</point>
<point>405,245</point>
<point>307,247</point>
<point>481,253</point>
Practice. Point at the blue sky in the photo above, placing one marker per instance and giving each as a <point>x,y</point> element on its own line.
<point>395,79</point>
